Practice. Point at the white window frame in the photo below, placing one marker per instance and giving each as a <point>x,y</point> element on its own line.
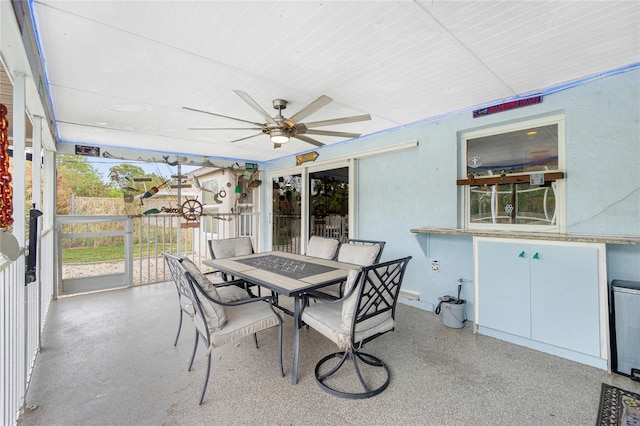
<point>560,190</point>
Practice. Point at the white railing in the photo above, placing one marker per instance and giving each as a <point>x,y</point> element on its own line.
<point>24,306</point>
<point>23,311</point>
<point>144,239</point>
<point>12,339</point>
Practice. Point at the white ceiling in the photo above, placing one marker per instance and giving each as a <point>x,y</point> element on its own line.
<point>119,72</point>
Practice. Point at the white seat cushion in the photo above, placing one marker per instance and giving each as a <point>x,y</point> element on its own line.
<point>231,247</point>
<point>360,254</point>
<point>244,320</point>
<point>324,248</point>
<point>326,318</point>
<point>215,314</point>
<point>349,305</point>
<point>232,293</point>
<point>186,305</point>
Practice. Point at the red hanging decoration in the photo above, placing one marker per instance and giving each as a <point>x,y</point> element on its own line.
<point>6,189</point>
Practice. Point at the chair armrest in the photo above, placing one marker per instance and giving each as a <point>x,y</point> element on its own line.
<point>321,297</point>
<point>325,298</point>
<point>270,299</point>
<point>228,283</point>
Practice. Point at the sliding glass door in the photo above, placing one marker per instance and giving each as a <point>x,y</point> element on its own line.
<point>286,213</point>
<point>308,201</point>
<point>329,203</point>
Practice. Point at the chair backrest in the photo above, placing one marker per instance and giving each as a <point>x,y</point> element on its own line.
<point>209,316</point>
<point>230,247</point>
<point>360,252</point>
<point>323,247</point>
<point>368,309</point>
<point>180,281</point>
<point>212,315</point>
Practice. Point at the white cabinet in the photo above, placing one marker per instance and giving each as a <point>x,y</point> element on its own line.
<point>547,295</point>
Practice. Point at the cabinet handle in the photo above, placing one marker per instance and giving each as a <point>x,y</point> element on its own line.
<point>536,256</point>
<point>521,255</point>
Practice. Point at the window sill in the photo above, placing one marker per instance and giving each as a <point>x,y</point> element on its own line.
<point>493,180</point>
<point>585,238</point>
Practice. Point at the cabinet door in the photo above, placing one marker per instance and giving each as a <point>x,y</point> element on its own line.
<point>564,297</point>
<point>504,301</point>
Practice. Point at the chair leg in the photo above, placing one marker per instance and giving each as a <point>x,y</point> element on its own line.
<point>179,328</point>
<point>255,339</point>
<point>329,373</point>
<point>354,356</point>
<point>206,380</point>
<point>359,373</point>
<point>195,348</point>
<point>280,347</point>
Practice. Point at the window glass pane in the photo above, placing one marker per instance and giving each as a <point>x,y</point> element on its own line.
<point>520,204</point>
<point>522,151</point>
<point>208,196</point>
<point>329,202</point>
<point>286,208</point>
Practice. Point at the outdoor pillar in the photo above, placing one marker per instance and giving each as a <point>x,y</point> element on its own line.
<point>36,163</point>
<point>353,199</point>
<point>49,216</point>
<point>49,190</point>
<point>36,202</point>
<point>19,136</point>
<point>18,179</point>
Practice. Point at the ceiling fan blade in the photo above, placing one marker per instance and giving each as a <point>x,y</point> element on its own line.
<point>247,137</point>
<point>308,140</point>
<point>311,108</point>
<point>342,120</point>
<point>330,133</point>
<point>223,116</point>
<point>225,128</point>
<point>253,104</point>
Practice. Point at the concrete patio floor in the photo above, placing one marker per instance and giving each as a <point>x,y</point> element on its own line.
<point>108,359</point>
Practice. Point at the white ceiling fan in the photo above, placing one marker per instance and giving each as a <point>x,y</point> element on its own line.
<point>280,129</point>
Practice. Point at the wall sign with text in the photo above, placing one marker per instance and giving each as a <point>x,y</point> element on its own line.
<point>507,106</point>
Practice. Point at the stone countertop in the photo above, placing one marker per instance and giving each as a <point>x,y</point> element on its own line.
<point>583,238</point>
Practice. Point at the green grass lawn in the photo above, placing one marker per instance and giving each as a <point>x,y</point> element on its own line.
<point>106,253</point>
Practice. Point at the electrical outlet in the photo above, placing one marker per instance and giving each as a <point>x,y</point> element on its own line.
<point>435,265</point>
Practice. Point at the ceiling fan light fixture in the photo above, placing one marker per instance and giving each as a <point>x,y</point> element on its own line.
<point>279,136</point>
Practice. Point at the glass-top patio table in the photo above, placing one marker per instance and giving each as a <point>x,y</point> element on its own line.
<point>287,274</point>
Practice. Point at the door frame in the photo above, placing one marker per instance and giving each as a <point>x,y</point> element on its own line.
<point>304,172</point>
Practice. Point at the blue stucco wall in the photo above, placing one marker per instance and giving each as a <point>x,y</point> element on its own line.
<point>417,188</point>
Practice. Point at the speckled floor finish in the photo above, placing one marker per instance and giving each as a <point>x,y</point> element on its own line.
<point>108,359</point>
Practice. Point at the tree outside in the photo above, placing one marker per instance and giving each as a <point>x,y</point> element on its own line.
<point>77,177</point>
<point>82,191</point>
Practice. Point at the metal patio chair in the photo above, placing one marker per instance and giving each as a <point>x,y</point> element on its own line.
<point>366,312</point>
<point>228,292</point>
<point>323,247</point>
<point>231,247</point>
<point>348,252</point>
<point>218,323</point>
<point>359,252</point>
